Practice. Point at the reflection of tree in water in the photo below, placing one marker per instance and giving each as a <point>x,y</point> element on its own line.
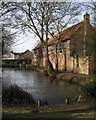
<point>59,82</point>
<point>41,86</point>
<point>40,76</point>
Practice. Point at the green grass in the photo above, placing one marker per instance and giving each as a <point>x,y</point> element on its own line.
<point>77,110</point>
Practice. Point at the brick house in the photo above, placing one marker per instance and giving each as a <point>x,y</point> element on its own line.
<point>26,57</point>
<point>75,49</point>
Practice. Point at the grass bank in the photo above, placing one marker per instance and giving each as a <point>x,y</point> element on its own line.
<point>76,77</point>
<point>67,76</point>
<point>16,96</point>
<point>82,109</point>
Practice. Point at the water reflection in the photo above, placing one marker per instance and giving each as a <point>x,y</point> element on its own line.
<point>39,85</point>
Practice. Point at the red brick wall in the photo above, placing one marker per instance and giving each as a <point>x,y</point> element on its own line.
<point>70,66</point>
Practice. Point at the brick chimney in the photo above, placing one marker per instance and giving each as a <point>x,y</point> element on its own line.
<point>87,18</point>
<point>86,24</point>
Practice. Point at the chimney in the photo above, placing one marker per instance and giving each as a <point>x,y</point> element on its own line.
<point>86,23</point>
<point>87,18</point>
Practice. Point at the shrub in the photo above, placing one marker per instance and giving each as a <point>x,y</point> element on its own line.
<point>88,90</point>
<point>15,95</point>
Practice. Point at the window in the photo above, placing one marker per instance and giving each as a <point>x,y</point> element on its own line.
<point>44,50</point>
<point>64,45</point>
<point>40,51</point>
<point>60,48</point>
<point>77,60</point>
<point>35,52</point>
<point>48,49</point>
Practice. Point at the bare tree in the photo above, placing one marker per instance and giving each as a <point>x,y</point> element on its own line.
<point>6,28</point>
<point>35,17</point>
<point>64,13</point>
<point>39,18</point>
<point>7,40</point>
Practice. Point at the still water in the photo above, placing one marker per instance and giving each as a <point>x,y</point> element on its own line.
<point>40,85</point>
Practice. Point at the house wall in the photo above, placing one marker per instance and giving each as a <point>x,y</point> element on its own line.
<point>80,54</point>
<point>71,62</point>
<point>92,66</point>
<point>26,55</point>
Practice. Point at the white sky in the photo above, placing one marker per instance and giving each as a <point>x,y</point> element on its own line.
<point>24,42</point>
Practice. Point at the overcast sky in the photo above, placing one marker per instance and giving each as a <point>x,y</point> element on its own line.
<point>24,42</point>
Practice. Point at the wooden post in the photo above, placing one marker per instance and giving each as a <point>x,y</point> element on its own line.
<point>20,66</point>
<point>39,103</point>
<point>67,100</point>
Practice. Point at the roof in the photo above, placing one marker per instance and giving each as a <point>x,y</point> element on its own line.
<point>24,52</point>
<point>15,53</point>
<point>40,44</point>
<point>64,35</point>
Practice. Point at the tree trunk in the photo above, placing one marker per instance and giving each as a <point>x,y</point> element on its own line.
<point>51,69</point>
<point>65,60</point>
<point>73,64</point>
<point>56,59</point>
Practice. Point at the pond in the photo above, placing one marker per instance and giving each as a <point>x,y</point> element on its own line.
<point>40,85</point>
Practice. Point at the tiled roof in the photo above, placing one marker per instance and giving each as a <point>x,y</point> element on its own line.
<point>24,52</point>
<point>40,44</point>
<point>64,35</point>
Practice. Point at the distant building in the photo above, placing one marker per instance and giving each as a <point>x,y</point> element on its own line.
<point>8,56</point>
<point>18,58</point>
<point>16,55</point>
<point>75,49</point>
<point>26,55</point>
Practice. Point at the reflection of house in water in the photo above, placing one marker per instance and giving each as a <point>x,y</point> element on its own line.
<point>75,49</point>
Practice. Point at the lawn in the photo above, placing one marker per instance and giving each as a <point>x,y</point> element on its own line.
<point>85,109</point>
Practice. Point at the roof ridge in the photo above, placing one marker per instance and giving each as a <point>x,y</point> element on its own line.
<point>25,52</point>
